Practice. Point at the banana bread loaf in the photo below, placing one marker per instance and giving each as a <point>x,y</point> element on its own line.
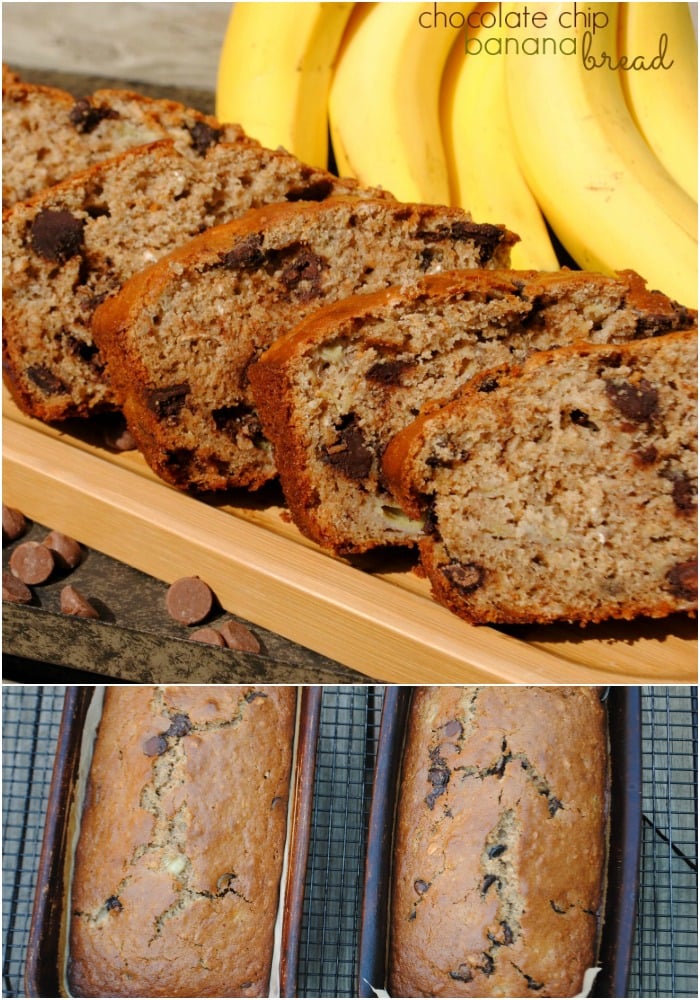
<point>75,243</point>
<point>179,860</point>
<point>562,489</point>
<point>47,134</point>
<point>500,843</point>
<point>180,337</point>
<point>333,392</point>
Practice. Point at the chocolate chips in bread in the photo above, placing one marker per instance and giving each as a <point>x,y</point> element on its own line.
<point>181,843</point>
<point>562,489</point>
<point>181,336</point>
<point>74,244</point>
<point>500,843</point>
<point>333,392</point>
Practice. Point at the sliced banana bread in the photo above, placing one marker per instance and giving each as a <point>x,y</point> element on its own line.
<point>333,392</point>
<point>73,244</point>
<point>562,489</point>
<point>180,337</point>
<point>47,134</point>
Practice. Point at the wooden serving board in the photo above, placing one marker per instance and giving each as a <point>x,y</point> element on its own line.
<point>380,621</point>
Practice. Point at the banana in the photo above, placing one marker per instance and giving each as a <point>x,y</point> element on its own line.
<point>484,173</point>
<point>605,194</point>
<point>384,98</point>
<point>664,102</point>
<point>275,70</point>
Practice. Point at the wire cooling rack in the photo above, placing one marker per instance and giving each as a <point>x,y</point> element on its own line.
<point>665,959</point>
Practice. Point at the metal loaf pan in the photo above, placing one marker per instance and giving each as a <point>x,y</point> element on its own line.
<point>624,729</point>
<point>43,976</point>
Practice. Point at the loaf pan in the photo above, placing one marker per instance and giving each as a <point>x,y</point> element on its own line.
<point>43,973</point>
<point>624,727</point>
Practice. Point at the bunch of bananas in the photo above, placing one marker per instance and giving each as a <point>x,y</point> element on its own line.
<point>584,144</point>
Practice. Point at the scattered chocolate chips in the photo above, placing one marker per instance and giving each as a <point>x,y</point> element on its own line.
<point>189,600</point>
<point>14,523</point>
<point>683,580</point>
<point>67,552</point>
<point>86,116</point>
<point>72,602</point>
<point>166,403</point>
<point>302,274</point>
<point>554,805</point>
<point>463,974</point>
<point>113,903</point>
<point>497,850</point>
<point>317,190</point>
<point>203,136</point>
<point>453,728</point>
<point>438,776</point>
<point>14,590</point>
<point>684,491</point>
<point>487,883</point>
<point>466,577</point>
<point>350,455</point>
<point>484,235</point>
<point>389,372</point>
<point>57,235</point>
<point>180,725</point>
<point>210,636</point>
<point>46,380</point>
<point>32,563</point>
<point>421,886</point>
<point>582,419</point>
<point>636,401</point>
<point>489,384</point>
<point>237,636</point>
<point>155,746</point>
<point>246,253</point>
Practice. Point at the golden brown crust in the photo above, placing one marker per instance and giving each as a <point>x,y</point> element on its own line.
<point>180,854</point>
<point>500,843</point>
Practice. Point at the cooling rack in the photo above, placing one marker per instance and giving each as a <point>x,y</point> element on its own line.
<point>665,958</point>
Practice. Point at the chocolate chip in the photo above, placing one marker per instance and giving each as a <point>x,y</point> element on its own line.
<point>645,456</point>
<point>487,883</point>
<point>86,116</point>
<point>210,636</point>
<point>421,886</point>
<point>166,403</point>
<point>239,419</point>
<point>14,523</point>
<point>46,380</point>
<point>57,235</point>
<point>463,974</point>
<point>113,903</point>
<point>32,563</point>
<point>497,850</point>
<point>246,253</point>
<point>636,401</point>
<point>683,580</point>
<point>155,746</point>
<point>66,550</point>
<point>237,636</point>
<point>554,805</point>
<point>389,372</point>
<point>350,455</point>
<point>684,491</point>
<point>203,136</point>
<point>317,190</point>
<point>466,578</point>
<point>489,384</point>
<point>72,602</point>
<point>180,725</point>
<point>302,274</point>
<point>485,236</point>
<point>189,600</point>
<point>14,590</point>
<point>453,728</point>
<point>582,419</point>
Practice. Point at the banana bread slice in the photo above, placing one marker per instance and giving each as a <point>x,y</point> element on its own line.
<point>333,392</point>
<point>561,489</point>
<point>47,134</point>
<point>70,246</point>
<point>180,337</point>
